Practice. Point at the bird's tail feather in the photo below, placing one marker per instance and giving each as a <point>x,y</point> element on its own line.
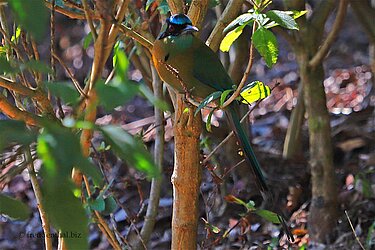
<point>234,119</point>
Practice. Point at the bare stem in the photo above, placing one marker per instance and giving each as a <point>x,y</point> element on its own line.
<point>353,230</point>
<point>39,198</point>
<point>89,19</point>
<point>323,50</point>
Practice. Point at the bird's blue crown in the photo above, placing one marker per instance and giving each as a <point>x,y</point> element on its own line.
<point>179,19</point>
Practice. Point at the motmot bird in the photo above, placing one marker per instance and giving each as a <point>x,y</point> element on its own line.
<point>188,65</point>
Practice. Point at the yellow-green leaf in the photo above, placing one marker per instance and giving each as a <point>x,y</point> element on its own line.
<point>230,38</point>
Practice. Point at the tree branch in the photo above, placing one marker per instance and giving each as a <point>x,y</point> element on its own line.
<point>136,36</point>
<point>197,11</point>
<point>321,13</point>
<point>16,87</point>
<point>153,204</point>
<point>323,50</point>
<point>14,113</point>
<point>176,6</point>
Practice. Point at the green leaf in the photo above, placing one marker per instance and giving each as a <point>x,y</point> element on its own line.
<point>65,211</point>
<point>147,93</point>
<point>17,35</point>
<point>230,38</point>
<point>241,20</point>
<point>32,15</point>
<point>208,122</point>
<point>6,67</point>
<point>97,204</point>
<point>266,44</point>
<point>37,66</point>
<point>120,62</point>
<point>60,150</point>
<point>87,41</point>
<point>110,205</point>
<point>13,208</point>
<point>282,18</point>
<point>63,90</point>
<point>130,149</point>
<point>224,95</point>
<point>268,215</point>
<point>12,131</point>
<point>115,93</point>
<point>207,100</point>
<point>298,13</point>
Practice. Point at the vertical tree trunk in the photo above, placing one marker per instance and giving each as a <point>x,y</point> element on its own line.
<point>186,178</point>
<point>323,208</point>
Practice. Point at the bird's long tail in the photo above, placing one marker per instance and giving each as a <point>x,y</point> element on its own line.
<point>233,116</point>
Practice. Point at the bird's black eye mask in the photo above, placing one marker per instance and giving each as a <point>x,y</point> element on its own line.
<point>172,30</point>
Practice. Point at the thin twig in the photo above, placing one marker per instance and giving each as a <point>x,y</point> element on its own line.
<point>89,20</point>
<point>353,230</point>
<point>70,73</point>
<point>245,75</point>
<point>136,36</point>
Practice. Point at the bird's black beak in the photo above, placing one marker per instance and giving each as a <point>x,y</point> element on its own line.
<point>162,35</point>
<point>190,28</point>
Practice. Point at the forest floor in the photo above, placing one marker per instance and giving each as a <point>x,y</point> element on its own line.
<point>351,101</point>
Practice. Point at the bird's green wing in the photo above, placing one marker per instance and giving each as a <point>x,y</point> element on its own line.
<point>208,68</point>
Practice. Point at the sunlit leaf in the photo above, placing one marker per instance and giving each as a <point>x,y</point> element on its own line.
<point>266,44</point>
<point>148,4</point>
<point>16,35</point>
<point>230,38</point>
<point>13,208</point>
<point>298,13</point>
